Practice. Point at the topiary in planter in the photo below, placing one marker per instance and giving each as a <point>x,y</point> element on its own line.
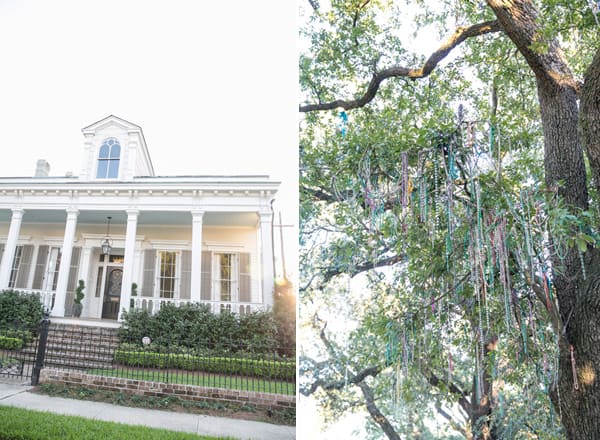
<point>77,306</point>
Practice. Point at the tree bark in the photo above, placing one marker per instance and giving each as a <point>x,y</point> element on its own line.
<point>577,394</point>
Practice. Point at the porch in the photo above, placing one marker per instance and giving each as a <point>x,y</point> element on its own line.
<point>152,305</point>
<point>220,258</point>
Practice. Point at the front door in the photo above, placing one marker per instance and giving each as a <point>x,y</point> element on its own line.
<point>112,292</point>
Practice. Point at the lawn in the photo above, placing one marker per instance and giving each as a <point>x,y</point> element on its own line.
<point>21,424</point>
<point>203,380</point>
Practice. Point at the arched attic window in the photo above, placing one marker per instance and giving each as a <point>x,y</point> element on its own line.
<point>108,159</point>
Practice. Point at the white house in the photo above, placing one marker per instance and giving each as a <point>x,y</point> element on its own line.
<point>204,239</point>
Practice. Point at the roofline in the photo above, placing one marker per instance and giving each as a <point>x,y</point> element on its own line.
<point>111,116</point>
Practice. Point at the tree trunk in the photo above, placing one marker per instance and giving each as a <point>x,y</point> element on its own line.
<point>481,409</point>
<point>577,395</point>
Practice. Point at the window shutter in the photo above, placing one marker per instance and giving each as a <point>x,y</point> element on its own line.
<point>186,275</point>
<point>24,267</point>
<point>245,292</point>
<point>40,267</point>
<point>148,275</point>
<point>72,281</point>
<point>205,281</point>
<point>73,270</point>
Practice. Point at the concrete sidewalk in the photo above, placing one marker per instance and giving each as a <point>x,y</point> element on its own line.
<point>14,394</point>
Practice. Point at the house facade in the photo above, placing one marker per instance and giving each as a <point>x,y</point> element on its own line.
<point>134,237</point>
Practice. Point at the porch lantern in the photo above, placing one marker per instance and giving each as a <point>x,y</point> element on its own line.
<point>106,245</point>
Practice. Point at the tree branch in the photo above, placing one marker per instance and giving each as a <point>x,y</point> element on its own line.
<point>387,261</point>
<point>519,20</point>
<point>542,296</point>
<point>436,381</point>
<point>377,415</point>
<point>458,37</point>
<point>339,384</point>
<point>453,423</point>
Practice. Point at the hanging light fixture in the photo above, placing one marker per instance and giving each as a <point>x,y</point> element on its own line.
<point>106,245</point>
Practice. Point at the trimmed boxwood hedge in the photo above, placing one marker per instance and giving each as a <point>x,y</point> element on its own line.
<point>194,326</point>
<point>267,369</point>
<point>7,343</point>
<point>20,310</point>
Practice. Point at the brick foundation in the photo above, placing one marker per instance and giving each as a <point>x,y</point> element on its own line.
<point>159,389</point>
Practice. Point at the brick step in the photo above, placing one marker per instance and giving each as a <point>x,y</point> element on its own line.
<point>78,347</point>
<point>71,354</point>
<point>82,343</point>
<point>78,364</point>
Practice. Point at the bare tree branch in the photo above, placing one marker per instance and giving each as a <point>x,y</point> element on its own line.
<point>458,37</point>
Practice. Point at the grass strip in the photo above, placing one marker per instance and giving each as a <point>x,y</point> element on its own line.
<point>209,380</point>
<point>22,424</point>
<point>172,403</point>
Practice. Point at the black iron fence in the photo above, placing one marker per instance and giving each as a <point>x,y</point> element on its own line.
<point>99,351</point>
<point>18,349</point>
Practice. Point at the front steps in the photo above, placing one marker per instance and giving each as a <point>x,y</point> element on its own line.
<point>79,347</point>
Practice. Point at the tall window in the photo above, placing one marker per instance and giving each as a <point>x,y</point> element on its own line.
<point>226,276</point>
<point>108,159</point>
<point>167,278</point>
<point>14,270</point>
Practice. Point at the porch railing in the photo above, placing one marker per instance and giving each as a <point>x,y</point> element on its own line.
<point>153,305</point>
<point>46,296</point>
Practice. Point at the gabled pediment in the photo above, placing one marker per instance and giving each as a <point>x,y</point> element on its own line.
<point>111,121</point>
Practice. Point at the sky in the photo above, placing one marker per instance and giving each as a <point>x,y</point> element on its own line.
<point>212,84</point>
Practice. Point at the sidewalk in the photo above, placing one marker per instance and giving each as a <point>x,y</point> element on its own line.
<point>14,394</point>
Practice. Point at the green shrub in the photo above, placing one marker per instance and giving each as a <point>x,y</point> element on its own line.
<point>10,343</point>
<point>284,312</point>
<point>25,335</point>
<point>284,370</point>
<point>20,310</point>
<point>194,326</point>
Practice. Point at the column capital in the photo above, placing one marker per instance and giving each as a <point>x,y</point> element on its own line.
<point>132,212</point>
<point>17,211</point>
<point>197,213</point>
<point>72,212</point>
<point>265,216</point>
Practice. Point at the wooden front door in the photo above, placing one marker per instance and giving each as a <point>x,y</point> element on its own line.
<point>112,292</point>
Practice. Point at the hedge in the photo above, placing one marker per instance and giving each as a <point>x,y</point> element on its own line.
<point>20,310</point>
<point>195,326</point>
<point>10,343</point>
<point>283,370</point>
<point>25,335</point>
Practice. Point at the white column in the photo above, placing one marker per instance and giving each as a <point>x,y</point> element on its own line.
<point>196,255</point>
<point>65,263</point>
<point>84,271</point>
<point>9,247</point>
<point>266,260</point>
<point>129,258</point>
